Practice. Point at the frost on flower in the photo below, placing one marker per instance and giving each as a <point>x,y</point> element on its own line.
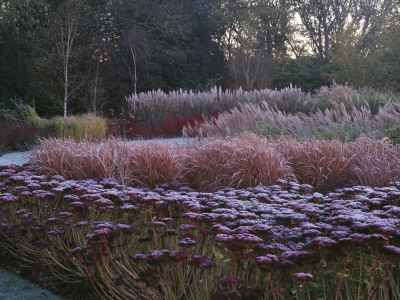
<point>303,277</point>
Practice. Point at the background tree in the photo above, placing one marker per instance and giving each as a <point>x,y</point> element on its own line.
<point>376,63</point>
<point>90,54</point>
<point>67,22</point>
<point>253,36</point>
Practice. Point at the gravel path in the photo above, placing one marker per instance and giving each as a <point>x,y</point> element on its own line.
<point>171,141</point>
<point>14,287</point>
<point>17,158</point>
<point>11,285</point>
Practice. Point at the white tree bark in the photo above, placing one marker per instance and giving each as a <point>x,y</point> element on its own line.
<point>71,23</point>
<point>134,65</point>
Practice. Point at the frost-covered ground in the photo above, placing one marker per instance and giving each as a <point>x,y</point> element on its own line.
<point>17,158</point>
<point>172,141</point>
<point>14,287</point>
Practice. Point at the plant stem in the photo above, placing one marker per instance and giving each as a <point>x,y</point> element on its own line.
<point>341,276</point>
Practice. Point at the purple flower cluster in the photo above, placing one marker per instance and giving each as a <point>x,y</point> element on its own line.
<point>283,226</point>
<point>161,256</point>
<point>303,277</point>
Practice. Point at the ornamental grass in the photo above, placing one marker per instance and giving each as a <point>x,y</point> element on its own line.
<point>89,127</point>
<point>156,106</point>
<point>338,122</point>
<point>212,164</point>
<point>97,238</point>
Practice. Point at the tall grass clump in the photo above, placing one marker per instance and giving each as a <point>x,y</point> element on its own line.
<point>237,163</point>
<point>133,164</point>
<point>88,126</point>
<point>375,161</point>
<point>327,97</point>
<point>335,123</point>
<point>213,164</point>
<point>329,164</point>
<point>155,106</point>
<point>156,113</point>
<point>318,162</point>
<point>209,166</point>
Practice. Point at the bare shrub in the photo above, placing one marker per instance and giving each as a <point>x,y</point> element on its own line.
<point>16,136</point>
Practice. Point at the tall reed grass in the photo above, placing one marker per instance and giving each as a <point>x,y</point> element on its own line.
<point>213,164</point>
<point>88,126</point>
<point>326,97</point>
<point>338,122</point>
<point>155,106</point>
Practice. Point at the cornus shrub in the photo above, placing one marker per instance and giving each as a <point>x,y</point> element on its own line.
<point>274,242</point>
<point>168,127</point>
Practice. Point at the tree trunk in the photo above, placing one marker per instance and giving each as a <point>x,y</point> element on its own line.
<point>66,85</point>
<point>94,101</point>
<point>134,65</point>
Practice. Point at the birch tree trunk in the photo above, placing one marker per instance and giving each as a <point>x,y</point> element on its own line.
<point>134,65</point>
<point>71,22</point>
<point>66,60</point>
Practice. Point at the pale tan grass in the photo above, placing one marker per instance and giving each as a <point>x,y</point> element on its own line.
<point>154,106</point>
<point>274,123</point>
